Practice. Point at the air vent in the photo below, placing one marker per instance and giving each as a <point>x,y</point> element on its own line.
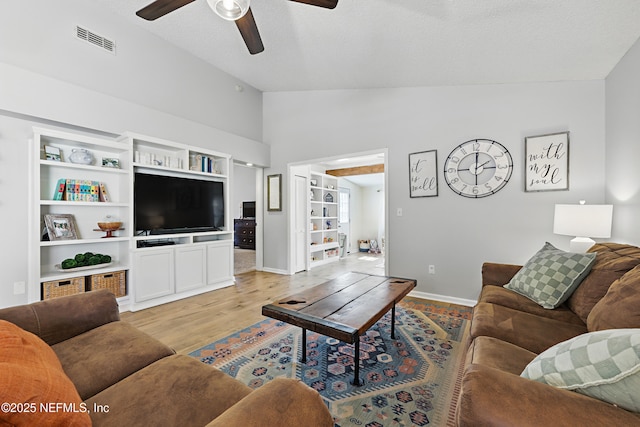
<point>95,39</point>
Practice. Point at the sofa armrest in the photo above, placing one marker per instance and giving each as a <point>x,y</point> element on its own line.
<point>498,274</point>
<point>491,397</point>
<point>59,319</point>
<point>282,402</point>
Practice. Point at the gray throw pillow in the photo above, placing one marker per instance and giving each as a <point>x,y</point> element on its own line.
<point>603,364</point>
<point>551,275</point>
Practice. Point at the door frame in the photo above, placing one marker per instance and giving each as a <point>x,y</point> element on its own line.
<point>347,242</point>
<point>259,197</point>
<point>304,168</point>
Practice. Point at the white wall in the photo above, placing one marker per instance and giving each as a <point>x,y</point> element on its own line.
<point>453,233</point>
<point>244,188</point>
<point>372,216</point>
<point>355,226</point>
<point>623,146</point>
<point>38,35</point>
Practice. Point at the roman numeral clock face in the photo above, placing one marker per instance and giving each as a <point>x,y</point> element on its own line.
<point>478,168</point>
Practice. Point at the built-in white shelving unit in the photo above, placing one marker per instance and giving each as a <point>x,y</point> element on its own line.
<point>323,219</point>
<point>45,256</point>
<point>193,263</point>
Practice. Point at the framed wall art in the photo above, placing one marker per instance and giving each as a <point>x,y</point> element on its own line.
<point>423,174</point>
<point>546,161</point>
<point>274,192</point>
<point>60,226</point>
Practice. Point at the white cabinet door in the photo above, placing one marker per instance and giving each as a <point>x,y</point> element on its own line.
<point>219,261</point>
<point>190,267</point>
<point>154,273</point>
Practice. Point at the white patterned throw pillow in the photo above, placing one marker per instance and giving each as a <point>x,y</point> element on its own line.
<point>551,275</point>
<point>603,364</point>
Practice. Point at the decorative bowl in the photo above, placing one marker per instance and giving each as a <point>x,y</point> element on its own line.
<point>110,226</point>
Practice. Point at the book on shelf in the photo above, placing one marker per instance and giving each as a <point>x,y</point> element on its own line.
<point>81,190</point>
<point>202,163</point>
<point>104,195</point>
<point>60,188</point>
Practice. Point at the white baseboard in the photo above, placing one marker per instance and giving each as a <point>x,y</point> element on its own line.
<point>443,298</point>
<point>276,271</point>
<point>136,306</point>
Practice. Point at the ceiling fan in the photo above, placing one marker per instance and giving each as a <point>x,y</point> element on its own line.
<point>231,10</point>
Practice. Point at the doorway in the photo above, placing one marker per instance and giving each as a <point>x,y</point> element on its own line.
<point>361,202</point>
<point>246,211</point>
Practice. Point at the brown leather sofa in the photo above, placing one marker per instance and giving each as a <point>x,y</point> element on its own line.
<point>509,330</point>
<point>127,378</point>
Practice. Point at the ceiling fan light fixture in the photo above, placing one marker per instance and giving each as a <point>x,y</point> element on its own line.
<point>231,10</point>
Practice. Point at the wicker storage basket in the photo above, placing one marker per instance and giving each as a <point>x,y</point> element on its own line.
<point>115,281</point>
<point>60,288</point>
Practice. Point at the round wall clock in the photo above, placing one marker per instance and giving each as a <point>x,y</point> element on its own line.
<point>478,168</point>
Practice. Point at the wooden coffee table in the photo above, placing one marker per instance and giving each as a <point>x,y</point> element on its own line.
<point>343,308</point>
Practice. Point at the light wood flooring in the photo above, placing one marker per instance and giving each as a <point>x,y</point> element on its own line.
<point>191,323</point>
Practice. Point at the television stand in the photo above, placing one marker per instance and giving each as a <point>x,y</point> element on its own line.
<point>155,243</point>
<point>161,231</point>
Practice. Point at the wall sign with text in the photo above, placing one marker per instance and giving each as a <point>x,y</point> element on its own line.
<point>423,174</point>
<point>546,162</point>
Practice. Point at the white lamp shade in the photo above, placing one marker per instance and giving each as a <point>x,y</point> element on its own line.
<point>583,220</point>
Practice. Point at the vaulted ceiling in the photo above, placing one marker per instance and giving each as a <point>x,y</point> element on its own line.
<point>405,43</point>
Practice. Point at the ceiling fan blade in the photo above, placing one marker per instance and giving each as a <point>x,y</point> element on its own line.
<point>160,8</point>
<point>329,4</point>
<point>249,30</point>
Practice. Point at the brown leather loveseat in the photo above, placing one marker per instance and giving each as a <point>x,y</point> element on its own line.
<point>71,361</point>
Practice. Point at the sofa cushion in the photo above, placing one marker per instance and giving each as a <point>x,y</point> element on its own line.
<point>508,298</point>
<point>602,364</point>
<point>620,307</point>
<point>107,354</point>
<point>491,397</point>
<point>281,402</point>
<point>175,391</point>
<point>612,261</point>
<point>526,330</point>
<point>57,319</point>
<point>31,376</point>
<point>498,354</point>
<point>551,275</point>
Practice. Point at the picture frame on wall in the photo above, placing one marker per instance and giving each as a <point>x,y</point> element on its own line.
<point>423,174</point>
<point>61,226</point>
<point>274,193</point>
<point>546,160</point>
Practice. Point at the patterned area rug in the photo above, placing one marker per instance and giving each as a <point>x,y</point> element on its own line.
<point>413,380</point>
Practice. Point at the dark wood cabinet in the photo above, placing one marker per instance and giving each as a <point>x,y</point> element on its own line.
<point>244,235</point>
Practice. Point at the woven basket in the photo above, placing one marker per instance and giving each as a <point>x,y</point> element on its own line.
<point>60,288</point>
<point>115,281</point>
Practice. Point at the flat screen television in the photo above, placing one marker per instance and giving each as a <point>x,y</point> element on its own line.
<point>168,204</point>
<point>249,209</point>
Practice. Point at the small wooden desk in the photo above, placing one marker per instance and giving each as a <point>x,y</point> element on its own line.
<point>343,308</point>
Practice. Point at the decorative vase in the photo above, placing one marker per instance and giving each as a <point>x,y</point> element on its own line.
<point>81,156</point>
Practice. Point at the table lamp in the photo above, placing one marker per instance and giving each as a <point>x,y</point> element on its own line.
<point>583,221</point>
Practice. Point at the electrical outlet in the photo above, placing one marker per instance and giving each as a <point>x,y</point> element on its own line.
<point>432,269</point>
<point>19,288</point>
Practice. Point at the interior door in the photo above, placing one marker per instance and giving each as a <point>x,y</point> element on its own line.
<point>300,221</point>
<point>344,218</point>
